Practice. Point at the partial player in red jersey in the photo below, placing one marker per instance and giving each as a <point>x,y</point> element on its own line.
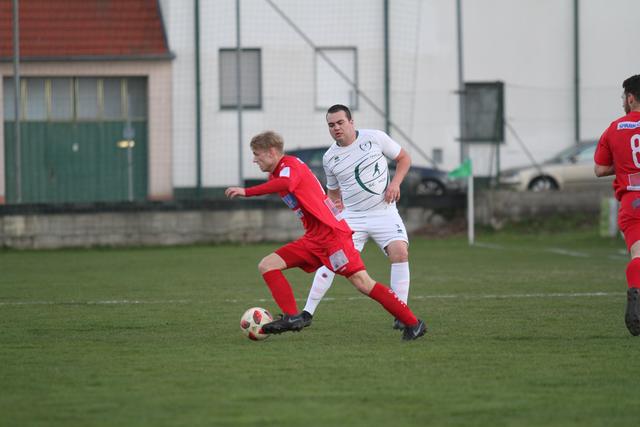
<point>326,241</point>
<point>618,153</point>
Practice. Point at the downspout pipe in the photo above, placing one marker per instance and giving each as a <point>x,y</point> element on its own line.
<point>17,99</point>
<point>576,68</point>
<point>198,101</point>
<point>387,89</point>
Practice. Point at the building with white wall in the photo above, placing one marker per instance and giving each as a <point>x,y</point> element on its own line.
<point>529,45</point>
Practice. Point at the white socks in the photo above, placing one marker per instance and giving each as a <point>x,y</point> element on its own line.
<point>400,279</point>
<point>321,284</point>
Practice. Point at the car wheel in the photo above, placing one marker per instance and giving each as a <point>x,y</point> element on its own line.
<point>429,187</point>
<point>543,183</point>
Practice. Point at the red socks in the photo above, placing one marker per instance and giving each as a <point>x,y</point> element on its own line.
<point>283,295</point>
<point>390,301</point>
<point>633,273</point>
<point>281,291</point>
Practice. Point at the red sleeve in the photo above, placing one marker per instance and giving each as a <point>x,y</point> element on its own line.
<point>275,185</point>
<point>603,155</point>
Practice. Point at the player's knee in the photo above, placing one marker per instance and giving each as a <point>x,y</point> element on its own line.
<point>362,282</point>
<point>265,265</point>
<point>398,253</point>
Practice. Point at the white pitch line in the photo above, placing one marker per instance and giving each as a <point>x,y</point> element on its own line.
<point>567,252</point>
<point>557,251</point>
<point>481,296</point>
<point>488,245</point>
<point>419,297</point>
<point>106,302</point>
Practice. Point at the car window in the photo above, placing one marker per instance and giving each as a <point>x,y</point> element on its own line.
<point>564,155</point>
<point>586,155</point>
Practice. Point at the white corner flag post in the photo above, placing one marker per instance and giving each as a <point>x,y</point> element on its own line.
<point>462,171</point>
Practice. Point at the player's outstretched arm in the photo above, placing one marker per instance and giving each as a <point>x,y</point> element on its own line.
<point>272,186</point>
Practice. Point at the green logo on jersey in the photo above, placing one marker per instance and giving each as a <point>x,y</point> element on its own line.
<point>376,172</point>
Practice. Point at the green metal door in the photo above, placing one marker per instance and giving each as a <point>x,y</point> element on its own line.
<point>76,162</point>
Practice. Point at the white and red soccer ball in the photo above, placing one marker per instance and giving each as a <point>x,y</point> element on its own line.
<point>253,320</point>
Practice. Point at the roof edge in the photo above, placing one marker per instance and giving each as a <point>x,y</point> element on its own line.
<point>90,58</point>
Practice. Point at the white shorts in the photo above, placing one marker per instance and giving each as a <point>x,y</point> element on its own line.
<point>383,226</point>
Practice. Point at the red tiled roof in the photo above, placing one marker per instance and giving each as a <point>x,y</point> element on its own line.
<point>52,29</point>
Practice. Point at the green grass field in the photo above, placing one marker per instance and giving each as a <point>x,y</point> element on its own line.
<point>525,330</point>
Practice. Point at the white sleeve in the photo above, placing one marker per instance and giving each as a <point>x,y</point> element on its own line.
<point>390,148</point>
<point>332,181</point>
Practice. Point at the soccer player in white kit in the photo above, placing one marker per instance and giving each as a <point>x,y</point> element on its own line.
<point>359,183</point>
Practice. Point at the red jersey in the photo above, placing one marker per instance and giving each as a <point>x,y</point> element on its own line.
<point>619,145</point>
<point>303,193</point>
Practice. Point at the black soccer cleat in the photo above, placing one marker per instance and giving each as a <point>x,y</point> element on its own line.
<point>397,324</point>
<point>285,323</point>
<point>632,314</point>
<point>306,318</point>
<point>414,332</point>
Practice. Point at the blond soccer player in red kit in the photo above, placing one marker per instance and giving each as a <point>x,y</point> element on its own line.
<point>327,239</point>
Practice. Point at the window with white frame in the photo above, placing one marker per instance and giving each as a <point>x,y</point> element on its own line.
<point>336,77</point>
<point>250,78</point>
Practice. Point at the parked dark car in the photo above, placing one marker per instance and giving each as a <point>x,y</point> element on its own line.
<point>419,180</point>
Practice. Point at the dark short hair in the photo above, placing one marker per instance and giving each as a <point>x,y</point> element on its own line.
<point>632,86</point>
<point>339,107</point>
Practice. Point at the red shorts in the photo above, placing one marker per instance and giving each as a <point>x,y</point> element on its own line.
<point>629,218</point>
<point>339,255</point>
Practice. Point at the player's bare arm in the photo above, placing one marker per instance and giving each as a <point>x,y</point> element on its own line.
<point>233,192</point>
<point>403,163</point>
<point>601,170</point>
<point>336,198</point>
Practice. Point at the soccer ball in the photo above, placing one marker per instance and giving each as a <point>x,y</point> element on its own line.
<point>253,320</point>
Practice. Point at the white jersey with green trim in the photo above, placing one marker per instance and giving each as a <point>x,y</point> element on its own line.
<point>360,170</point>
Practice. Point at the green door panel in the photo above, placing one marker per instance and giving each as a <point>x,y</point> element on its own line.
<point>76,162</point>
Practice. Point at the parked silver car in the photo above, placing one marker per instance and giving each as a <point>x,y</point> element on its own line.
<point>572,167</point>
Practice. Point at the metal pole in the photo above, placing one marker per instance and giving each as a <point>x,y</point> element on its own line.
<point>129,135</point>
<point>471,218</point>
<point>464,151</point>
<point>17,99</point>
<point>387,94</point>
<point>239,93</point>
<point>198,109</point>
<point>130,169</point>
<point>576,67</point>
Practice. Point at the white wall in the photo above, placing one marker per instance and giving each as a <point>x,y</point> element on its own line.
<point>530,46</point>
<point>288,79</point>
<point>424,77</point>
<point>608,55</point>
<point>178,20</point>
<point>527,44</point>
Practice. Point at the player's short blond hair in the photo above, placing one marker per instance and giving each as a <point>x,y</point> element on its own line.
<point>266,140</point>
